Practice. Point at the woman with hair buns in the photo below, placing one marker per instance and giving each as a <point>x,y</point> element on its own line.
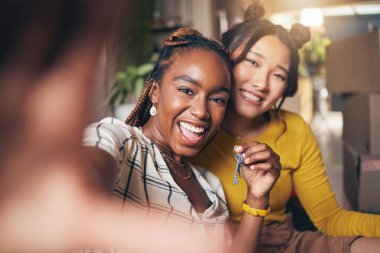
<point>265,73</point>
<point>180,110</point>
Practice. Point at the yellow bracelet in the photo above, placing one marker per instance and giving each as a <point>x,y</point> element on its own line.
<point>255,212</point>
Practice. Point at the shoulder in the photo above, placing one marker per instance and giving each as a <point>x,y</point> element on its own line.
<point>291,117</point>
<point>293,121</point>
<point>112,132</point>
<point>113,127</point>
<point>297,129</point>
<point>110,124</point>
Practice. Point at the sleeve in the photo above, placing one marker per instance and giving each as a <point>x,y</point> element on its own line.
<point>109,135</point>
<point>315,193</point>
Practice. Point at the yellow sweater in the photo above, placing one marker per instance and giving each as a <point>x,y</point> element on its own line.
<point>302,169</point>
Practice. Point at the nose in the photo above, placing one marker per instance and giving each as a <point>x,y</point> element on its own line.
<point>199,109</point>
<point>260,81</point>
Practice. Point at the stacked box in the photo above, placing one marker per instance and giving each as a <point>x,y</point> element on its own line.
<point>361,122</point>
<point>362,180</point>
<point>353,65</point>
<point>353,70</point>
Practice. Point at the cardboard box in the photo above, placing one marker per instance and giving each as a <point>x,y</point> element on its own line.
<point>361,180</point>
<point>353,65</point>
<point>361,122</point>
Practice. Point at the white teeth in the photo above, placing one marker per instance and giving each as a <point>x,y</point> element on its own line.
<point>192,128</point>
<point>251,96</point>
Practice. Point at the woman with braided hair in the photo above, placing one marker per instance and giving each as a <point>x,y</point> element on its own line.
<point>180,110</point>
<point>265,73</point>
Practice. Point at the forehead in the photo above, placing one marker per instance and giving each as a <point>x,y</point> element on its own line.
<point>273,49</point>
<point>270,42</point>
<point>203,65</point>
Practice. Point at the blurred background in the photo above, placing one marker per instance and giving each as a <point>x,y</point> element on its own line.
<point>339,76</point>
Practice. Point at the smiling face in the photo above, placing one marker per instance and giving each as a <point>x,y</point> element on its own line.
<point>191,99</point>
<point>261,78</point>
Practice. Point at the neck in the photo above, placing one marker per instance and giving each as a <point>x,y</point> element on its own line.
<point>240,126</point>
<point>155,136</point>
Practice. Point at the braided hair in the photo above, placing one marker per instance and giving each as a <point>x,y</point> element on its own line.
<point>183,39</point>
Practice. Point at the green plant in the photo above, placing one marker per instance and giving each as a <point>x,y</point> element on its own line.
<point>313,56</point>
<point>130,82</point>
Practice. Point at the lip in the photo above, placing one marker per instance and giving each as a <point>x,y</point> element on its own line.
<point>195,141</point>
<point>243,93</point>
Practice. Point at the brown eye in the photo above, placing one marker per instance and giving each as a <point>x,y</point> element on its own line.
<point>253,62</point>
<point>281,77</point>
<point>186,91</point>
<point>218,100</point>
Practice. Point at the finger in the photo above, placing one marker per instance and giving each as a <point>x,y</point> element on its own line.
<point>262,156</point>
<point>269,167</point>
<point>243,147</point>
<point>256,147</point>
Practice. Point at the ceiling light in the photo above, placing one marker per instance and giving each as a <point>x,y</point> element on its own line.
<point>284,19</point>
<point>312,17</point>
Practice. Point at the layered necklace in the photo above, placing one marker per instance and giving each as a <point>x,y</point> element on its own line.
<point>175,164</point>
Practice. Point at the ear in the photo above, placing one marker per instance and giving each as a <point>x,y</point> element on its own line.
<point>154,92</point>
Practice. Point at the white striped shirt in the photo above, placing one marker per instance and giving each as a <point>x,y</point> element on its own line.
<point>144,179</point>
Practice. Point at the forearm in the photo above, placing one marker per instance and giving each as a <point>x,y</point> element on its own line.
<point>101,169</point>
<point>349,223</point>
<point>247,236</point>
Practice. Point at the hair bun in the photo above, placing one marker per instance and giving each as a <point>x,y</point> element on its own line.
<point>254,12</point>
<point>301,34</point>
<point>178,37</point>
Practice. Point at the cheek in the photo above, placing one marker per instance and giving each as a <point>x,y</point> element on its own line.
<point>217,114</point>
<point>168,108</point>
<point>241,74</point>
<point>277,90</point>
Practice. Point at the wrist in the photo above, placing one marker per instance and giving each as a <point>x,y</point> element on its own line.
<point>256,212</point>
<point>257,202</point>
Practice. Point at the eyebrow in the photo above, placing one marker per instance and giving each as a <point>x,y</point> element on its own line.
<point>263,57</point>
<point>198,84</point>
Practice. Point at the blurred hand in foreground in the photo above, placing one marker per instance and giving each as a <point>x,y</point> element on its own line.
<point>51,200</point>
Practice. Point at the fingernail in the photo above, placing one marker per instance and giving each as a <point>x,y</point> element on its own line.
<point>252,167</point>
<point>238,148</point>
<point>243,155</point>
<point>246,160</point>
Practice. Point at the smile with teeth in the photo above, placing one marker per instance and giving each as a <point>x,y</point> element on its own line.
<point>251,96</point>
<point>194,129</point>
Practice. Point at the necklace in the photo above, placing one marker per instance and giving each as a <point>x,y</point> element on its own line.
<point>171,160</point>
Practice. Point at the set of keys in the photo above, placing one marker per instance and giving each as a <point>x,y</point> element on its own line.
<point>239,163</point>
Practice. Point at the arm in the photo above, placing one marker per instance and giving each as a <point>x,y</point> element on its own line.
<point>104,145</point>
<point>261,170</point>
<point>315,193</point>
<point>101,169</point>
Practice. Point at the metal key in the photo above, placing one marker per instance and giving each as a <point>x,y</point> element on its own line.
<point>239,162</point>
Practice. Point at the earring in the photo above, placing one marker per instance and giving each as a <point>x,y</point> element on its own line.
<point>153,111</point>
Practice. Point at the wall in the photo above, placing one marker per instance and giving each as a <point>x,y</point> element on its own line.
<point>339,28</point>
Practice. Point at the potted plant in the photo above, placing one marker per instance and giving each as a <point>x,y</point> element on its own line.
<point>129,83</point>
<point>312,90</point>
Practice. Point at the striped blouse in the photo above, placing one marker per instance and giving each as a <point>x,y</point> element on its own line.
<point>144,179</point>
